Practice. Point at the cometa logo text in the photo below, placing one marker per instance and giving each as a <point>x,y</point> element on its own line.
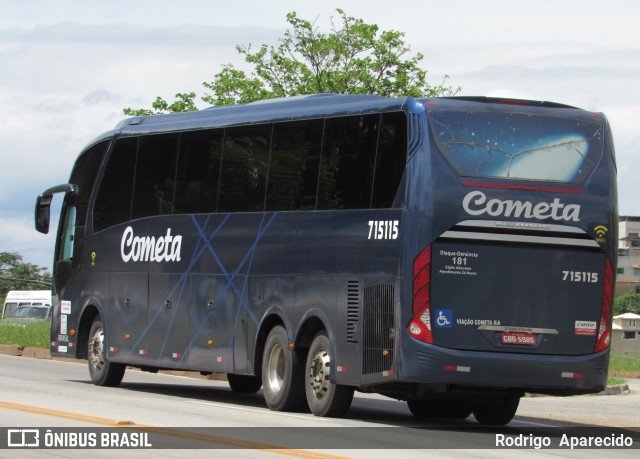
<point>476,203</point>
<point>150,248</point>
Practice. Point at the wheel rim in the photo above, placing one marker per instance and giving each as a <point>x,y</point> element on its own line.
<point>96,354</point>
<point>319,369</point>
<point>275,371</point>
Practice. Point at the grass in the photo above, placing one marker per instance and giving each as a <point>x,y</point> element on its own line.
<point>615,380</point>
<point>621,363</point>
<point>28,334</point>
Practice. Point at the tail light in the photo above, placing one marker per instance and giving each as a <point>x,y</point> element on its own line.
<point>604,330</point>
<point>420,325</point>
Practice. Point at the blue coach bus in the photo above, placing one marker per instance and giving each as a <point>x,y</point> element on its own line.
<point>451,252</point>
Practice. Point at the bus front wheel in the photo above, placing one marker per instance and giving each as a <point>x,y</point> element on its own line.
<point>282,376</point>
<point>102,372</point>
<point>324,397</point>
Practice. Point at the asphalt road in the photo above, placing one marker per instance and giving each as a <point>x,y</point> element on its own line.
<point>59,395</point>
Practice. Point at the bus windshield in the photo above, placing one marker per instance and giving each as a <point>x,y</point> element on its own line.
<point>510,145</point>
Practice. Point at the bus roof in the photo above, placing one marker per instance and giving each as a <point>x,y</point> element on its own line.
<point>284,109</point>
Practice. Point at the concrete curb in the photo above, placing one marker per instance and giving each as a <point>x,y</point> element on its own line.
<point>21,351</point>
<point>618,389</point>
<point>11,349</point>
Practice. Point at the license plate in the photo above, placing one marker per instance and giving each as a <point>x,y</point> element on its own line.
<point>525,339</point>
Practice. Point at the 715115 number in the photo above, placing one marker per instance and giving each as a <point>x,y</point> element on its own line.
<point>580,276</point>
<point>383,229</point>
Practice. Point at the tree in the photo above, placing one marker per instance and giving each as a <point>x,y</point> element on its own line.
<point>17,275</point>
<point>628,301</point>
<point>353,58</point>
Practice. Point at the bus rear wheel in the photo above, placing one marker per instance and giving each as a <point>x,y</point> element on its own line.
<point>445,409</point>
<point>497,412</point>
<point>282,378</point>
<point>244,384</point>
<point>324,397</point>
<point>102,372</point>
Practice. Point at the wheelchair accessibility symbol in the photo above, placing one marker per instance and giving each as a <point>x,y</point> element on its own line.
<point>444,318</point>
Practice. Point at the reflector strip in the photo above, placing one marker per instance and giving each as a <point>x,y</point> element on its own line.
<point>504,186</point>
<point>456,368</point>
<point>520,238</point>
<point>571,375</point>
<point>492,224</point>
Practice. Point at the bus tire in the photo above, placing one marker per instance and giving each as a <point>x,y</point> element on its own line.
<point>102,372</point>
<point>282,377</point>
<point>324,397</point>
<point>244,384</point>
<point>430,409</point>
<point>497,412</point>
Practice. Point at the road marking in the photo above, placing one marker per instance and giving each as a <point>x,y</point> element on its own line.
<point>172,432</point>
<point>59,414</point>
<point>262,411</point>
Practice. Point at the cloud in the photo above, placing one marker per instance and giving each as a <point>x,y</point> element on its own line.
<point>17,234</point>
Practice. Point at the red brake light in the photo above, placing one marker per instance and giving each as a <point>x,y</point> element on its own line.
<point>604,330</point>
<point>420,325</point>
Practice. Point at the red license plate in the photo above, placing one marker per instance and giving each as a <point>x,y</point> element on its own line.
<point>526,339</point>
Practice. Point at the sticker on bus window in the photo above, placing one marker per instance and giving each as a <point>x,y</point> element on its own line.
<point>65,307</point>
<point>585,328</point>
<point>63,325</point>
<point>444,318</point>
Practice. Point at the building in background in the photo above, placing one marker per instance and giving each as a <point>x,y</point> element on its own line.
<point>628,254</point>
<point>625,339</point>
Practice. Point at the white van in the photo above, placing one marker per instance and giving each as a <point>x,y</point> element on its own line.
<point>22,298</point>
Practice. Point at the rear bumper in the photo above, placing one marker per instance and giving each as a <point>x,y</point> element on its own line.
<point>565,375</point>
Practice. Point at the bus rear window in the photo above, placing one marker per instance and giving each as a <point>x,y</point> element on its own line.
<point>517,145</point>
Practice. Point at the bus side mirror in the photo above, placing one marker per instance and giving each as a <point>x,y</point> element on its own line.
<point>43,213</point>
<point>43,204</point>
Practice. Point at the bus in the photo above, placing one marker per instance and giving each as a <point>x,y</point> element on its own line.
<point>455,253</point>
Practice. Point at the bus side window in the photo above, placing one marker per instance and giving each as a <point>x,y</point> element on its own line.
<point>346,165</point>
<point>68,234</point>
<point>245,162</point>
<point>155,175</point>
<point>390,160</point>
<point>198,173</point>
<point>293,168</point>
<point>113,202</point>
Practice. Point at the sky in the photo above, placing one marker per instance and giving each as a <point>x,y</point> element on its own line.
<point>69,67</point>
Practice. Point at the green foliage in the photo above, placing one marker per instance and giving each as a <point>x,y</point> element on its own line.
<point>17,275</point>
<point>184,103</point>
<point>628,301</point>
<point>615,380</point>
<point>352,58</point>
<point>619,363</point>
